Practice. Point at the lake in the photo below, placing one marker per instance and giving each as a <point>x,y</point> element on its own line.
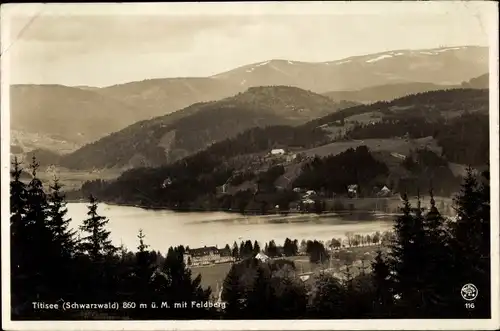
<point>164,228</point>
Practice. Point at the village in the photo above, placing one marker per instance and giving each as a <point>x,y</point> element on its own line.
<point>349,255</point>
<point>379,199</point>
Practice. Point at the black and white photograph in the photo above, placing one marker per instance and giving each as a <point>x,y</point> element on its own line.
<point>250,165</point>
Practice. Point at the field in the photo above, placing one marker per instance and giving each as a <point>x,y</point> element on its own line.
<point>397,145</point>
<point>72,180</point>
<point>30,141</point>
<point>214,275</point>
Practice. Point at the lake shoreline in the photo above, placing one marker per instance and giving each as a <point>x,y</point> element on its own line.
<point>164,228</point>
<point>281,213</point>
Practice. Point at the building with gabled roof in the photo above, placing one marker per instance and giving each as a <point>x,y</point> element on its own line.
<point>207,255</point>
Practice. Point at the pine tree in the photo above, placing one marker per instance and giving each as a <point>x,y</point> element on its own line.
<point>242,250</point>
<point>406,249</point>
<point>260,300</point>
<point>287,249</point>
<point>383,289</point>
<point>144,259</point>
<point>97,243</point>
<point>295,247</point>
<point>142,271</point>
<point>466,230</point>
<point>235,253</point>
<point>142,247</point>
<point>17,196</point>
<point>64,242</point>
<point>256,247</point>
<point>272,250</point>
<point>39,238</point>
<point>20,246</point>
<point>101,277</point>
<point>232,294</point>
<point>470,243</point>
<point>58,223</point>
<point>176,284</point>
<point>438,262</point>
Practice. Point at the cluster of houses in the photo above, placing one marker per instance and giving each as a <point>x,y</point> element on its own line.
<point>207,255</point>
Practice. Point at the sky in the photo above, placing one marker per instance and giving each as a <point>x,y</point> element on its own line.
<point>110,44</point>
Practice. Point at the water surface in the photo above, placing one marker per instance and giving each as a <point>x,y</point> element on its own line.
<point>164,228</point>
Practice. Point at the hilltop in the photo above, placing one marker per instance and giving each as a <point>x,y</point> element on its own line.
<point>385,92</point>
<point>156,97</point>
<point>481,82</point>
<point>66,114</point>
<point>171,137</point>
<point>390,92</point>
<point>441,66</point>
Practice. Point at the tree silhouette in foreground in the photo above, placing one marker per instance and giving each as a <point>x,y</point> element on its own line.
<point>418,272</point>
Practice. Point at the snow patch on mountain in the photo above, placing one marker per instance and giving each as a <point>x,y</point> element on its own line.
<point>437,51</point>
<point>448,49</point>
<point>378,58</point>
<point>262,64</point>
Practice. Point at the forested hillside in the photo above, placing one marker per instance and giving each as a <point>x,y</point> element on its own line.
<point>169,138</point>
<point>441,116</point>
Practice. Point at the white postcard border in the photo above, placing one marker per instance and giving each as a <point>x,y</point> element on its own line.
<point>251,8</point>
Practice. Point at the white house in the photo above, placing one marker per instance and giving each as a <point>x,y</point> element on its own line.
<point>352,189</point>
<point>278,152</point>
<point>385,191</point>
<point>207,255</point>
<point>262,257</point>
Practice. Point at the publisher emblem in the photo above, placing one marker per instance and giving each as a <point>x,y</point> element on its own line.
<point>469,292</point>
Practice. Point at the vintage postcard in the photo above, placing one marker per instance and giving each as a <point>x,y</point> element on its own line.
<point>264,166</point>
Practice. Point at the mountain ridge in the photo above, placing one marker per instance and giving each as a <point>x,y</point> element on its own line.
<point>136,101</point>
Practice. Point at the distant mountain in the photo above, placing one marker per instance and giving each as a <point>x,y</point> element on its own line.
<point>385,92</point>
<point>66,113</point>
<point>156,97</point>
<point>481,82</point>
<point>390,92</point>
<point>171,137</point>
<point>431,105</point>
<point>443,66</point>
<point>84,114</point>
<point>454,65</point>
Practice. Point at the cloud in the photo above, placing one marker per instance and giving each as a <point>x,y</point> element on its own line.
<point>103,50</point>
<point>118,29</point>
